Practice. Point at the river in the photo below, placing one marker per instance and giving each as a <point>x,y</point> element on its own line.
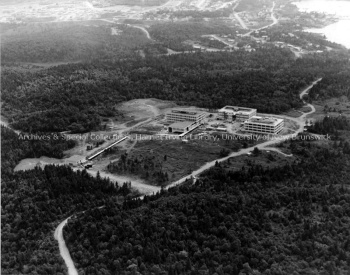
<point>338,32</point>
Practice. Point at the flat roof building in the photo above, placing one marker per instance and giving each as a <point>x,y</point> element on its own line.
<point>182,127</point>
<point>236,113</point>
<point>264,125</point>
<point>179,115</point>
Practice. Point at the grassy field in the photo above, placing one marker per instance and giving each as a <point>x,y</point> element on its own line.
<point>267,159</point>
<point>333,106</point>
<point>293,113</point>
<point>178,158</point>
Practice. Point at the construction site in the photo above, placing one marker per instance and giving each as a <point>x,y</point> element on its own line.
<point>170,140</point>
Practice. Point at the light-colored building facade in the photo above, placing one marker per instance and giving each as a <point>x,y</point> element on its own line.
<point>264,125</point>
<point>236,113</point>
<point>182,127</point>
<point>178,115</point>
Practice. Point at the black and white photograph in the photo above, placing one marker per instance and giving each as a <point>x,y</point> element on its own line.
<point>175,137</point>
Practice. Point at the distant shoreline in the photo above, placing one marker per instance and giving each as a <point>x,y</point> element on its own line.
<point>336,32</point>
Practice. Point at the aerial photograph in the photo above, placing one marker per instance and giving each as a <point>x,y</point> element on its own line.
<point>170,137</point>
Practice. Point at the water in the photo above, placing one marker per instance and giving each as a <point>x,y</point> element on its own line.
<point>338,32</point>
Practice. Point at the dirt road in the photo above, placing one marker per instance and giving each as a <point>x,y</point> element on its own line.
<point>63,248</point>
<point>148,189</point>
<point>274,22</point>
<point>300,121</point>
<point>142,29</point>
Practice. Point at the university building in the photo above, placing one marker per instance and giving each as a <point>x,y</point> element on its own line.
<point>182,127</point>
<point>236,113</point>
<point>264,125</point>
<point>183,115</point>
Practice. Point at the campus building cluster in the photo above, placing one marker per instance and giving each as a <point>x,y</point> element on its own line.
<point>183,121</point>
<point>232,113</point>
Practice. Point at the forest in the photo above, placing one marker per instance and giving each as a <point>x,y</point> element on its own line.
<point>172,35</point>
<point>147,167</point>
<point>77,97</point>
<point>333,84</point>
<point>292,219</point>
<point>16,147</point>
<point>70,42</point>
<point>35,201</point>
<point>331,125</point>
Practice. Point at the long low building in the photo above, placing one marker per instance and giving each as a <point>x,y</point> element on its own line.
<point>264,125</point>
<point>179,115</point>
<point>236,113</point>
<point>182,127</point>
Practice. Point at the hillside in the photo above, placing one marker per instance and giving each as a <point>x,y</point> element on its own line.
<point>34,202</point>
<point>287,220</point>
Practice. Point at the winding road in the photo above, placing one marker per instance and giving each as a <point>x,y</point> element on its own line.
<point>274,19</point>
<point>63,248</point>
<point>142,29</point>
<point>144,188</point>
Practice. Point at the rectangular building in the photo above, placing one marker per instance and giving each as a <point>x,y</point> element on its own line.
<point>182,127</point>
<point>264,125</point>
<point>178,115</point>
<point>236,113</point>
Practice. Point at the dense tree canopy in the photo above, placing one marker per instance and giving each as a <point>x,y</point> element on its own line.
<point>34,202</point>
<point>77,96</point>
<point>287,220</point>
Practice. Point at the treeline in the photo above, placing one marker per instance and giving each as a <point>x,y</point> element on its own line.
<point>172,35</point>
<point>16,147</point>
<point>282,32</point>
<point>35,201</point>
<point>288,220</point>
<point>330,125</point>
<point>53,42</point>
<point>197,14</point>
<point>334,84</point>
<point>147,167</point>
<point>77,97</point>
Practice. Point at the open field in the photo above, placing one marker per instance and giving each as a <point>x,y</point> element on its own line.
<point>178,158</point>
<point>145,108</point>
<point>293,113</point>
<point>333,106</point>
<point>267,159</point>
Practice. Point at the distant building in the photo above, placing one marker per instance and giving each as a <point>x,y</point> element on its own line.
<point>236,113</point>
<point>182,127</point>
<point>264,125</point>
<point>178,115</point>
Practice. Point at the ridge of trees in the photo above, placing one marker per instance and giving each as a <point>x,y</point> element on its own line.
<point>77,97</point>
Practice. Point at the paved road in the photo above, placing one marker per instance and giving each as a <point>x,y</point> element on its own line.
<point>274,19</point>
<point>147,188</point>
<point>63,248</point>
<point>142,29</point>
<point>239,19</point>
<point>300,121</point>
<point>220,39</point>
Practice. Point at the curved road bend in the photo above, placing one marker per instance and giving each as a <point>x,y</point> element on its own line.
<point>63,248</point>
<point>58,232</point>
<point>300,121</point>
<point>274,19</point>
